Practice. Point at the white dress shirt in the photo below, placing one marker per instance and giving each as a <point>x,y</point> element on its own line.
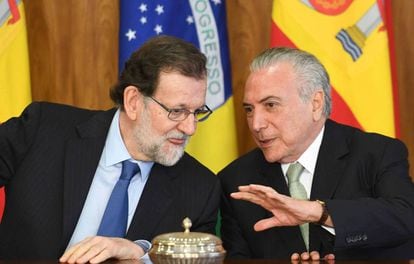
<point>308,160</point>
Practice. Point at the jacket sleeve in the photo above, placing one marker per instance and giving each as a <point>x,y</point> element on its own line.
<point>16,137</point>
<point>208,219</point>
<point>233,240</point>
<point>385,218</point>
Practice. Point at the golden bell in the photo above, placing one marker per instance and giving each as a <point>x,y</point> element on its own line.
<point>187,247</point>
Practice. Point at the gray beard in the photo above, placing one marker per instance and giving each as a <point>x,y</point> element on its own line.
<point>166,159</point>
<point>152,147</point>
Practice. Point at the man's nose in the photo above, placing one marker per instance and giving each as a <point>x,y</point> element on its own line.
<point>258,121</point>
<point>188,126</point>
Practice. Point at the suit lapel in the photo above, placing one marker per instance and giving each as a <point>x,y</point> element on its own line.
<point>274,177</point>
<point>267,174</point>
<point>329,169</point>
<point>292,237</point>
<point>83,153</point>
<point>155,200</point>
<point>330,165</point>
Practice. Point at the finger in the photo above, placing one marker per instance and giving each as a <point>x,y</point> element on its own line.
<point>256,189</point>
<point>242,195</point>
<point>266,224</point>
<point>244,188</point>
<point>314,255</point>
<point>305,256</point>
<point>295,257</point>
<point>247,197</point>
<point>329,257</point>
<point>68,253</point>
<point>93,252</point>
<point>268,194</point>
<point>261,188</point>
<point>102,256</point>
<point>249,189</point>
<point>262,192</point>
<point>257,197</point>
<point>81,250</point>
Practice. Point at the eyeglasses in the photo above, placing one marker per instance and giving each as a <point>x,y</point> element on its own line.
<point>180,114</point>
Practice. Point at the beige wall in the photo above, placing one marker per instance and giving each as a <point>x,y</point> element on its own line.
<point>73,51</point>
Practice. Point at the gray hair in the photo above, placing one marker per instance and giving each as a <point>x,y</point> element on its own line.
<point>310,72</point>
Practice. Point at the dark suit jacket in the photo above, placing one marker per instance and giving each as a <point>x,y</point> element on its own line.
<point>48,158</point>
<point>362,177</point>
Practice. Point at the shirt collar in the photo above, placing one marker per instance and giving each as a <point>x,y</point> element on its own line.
<point>308,158</point>
<point>115,150</point>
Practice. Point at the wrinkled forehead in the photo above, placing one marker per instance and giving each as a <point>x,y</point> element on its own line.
<point>275,80</point>
<point>180,90</point>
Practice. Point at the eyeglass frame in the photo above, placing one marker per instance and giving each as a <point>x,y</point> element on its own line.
<point>184,112</point>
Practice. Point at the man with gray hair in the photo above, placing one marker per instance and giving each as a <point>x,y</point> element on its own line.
<point>313,186</point>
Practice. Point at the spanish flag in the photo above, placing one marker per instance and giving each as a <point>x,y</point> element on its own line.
<point>203,23</point>
<point>352,39</point>
<point>14,64</point>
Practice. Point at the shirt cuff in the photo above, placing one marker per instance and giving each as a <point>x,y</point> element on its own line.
<point>144,244</point>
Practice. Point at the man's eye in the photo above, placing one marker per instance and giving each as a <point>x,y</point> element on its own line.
<point>248,110</point>
<point>271,105</point>
<point>177,111</point>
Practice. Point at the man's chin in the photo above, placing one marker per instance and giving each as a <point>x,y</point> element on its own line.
<point>270,156</point>
<point>172,159</point>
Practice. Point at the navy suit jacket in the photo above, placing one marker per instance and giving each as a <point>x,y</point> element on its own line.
<point>362,177</point>
<point>48,158</point>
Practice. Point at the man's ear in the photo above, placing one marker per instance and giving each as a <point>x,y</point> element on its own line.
<point>132,99</point>
<point>318,101</point>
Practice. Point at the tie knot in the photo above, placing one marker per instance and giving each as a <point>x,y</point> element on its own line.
<point>294,171</point>
<point>129,169</point>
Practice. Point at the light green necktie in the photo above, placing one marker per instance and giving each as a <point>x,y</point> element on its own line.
<point>297,190</point>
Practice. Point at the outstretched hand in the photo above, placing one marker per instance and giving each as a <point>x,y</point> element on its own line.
<point>286,210</point>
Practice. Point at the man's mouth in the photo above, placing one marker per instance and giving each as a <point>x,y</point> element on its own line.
<point>177,141</point>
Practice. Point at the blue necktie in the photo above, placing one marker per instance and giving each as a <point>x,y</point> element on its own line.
<point>115,219</point>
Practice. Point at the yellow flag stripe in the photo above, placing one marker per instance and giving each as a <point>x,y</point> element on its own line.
<point>215,143</point>
<point>365,84</point>
<point>14,68</point>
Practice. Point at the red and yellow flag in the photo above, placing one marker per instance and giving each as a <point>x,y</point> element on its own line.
<point>352,40</point>
<point>14,64</point>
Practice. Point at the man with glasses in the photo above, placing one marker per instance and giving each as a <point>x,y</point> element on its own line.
<point>181,114</point>
<point>61,165</point>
